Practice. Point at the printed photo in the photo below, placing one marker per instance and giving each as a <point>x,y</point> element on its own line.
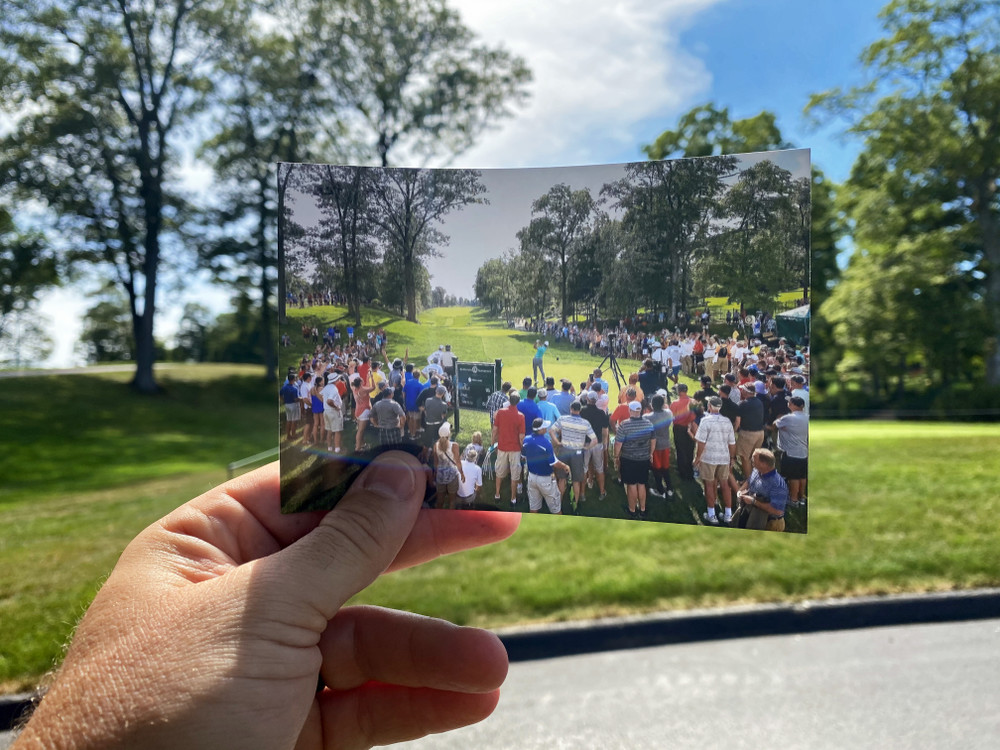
<point>625,341</point>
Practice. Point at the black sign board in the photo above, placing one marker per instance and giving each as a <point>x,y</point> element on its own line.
<point>476,382</point>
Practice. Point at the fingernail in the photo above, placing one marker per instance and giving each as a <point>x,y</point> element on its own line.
<point>390,476</point>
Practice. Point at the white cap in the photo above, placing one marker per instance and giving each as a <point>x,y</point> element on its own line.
<point>634,406</point>
<point>444,430</point>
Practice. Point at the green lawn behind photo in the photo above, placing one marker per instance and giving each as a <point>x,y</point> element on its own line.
<point>86,464</point>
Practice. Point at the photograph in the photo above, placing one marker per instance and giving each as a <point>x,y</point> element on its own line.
<point>625,341</point>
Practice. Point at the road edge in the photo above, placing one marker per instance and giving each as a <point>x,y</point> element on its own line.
<point>553,640</point>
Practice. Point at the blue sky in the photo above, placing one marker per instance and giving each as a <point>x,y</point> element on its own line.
<point>611,75</point>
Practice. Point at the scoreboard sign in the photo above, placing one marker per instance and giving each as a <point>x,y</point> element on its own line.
<point>476,382</point>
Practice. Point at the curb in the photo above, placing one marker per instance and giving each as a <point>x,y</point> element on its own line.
<point>551,641</point>
<point>614,634</point>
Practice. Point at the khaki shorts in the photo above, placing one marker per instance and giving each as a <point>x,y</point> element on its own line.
<point>714,472</point>
<point>594,456</point>
<point>508,462</point>
<point>748,442</point>
<point>334,420</point>
<point>775,524</point>
<point>540,487</point>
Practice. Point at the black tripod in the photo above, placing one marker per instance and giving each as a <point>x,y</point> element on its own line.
<point>612,361</point>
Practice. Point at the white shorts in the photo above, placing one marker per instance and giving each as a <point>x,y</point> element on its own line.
<point>334,420</point>
<point>544,487</point>
<point>293,412</point>
<point>508,462</point>
<point>363,416</point>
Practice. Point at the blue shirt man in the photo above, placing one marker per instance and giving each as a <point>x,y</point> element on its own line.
<point>537,451</point>
<point>289,393</point>
<point>561,401</point>
<point>770,485</point>
<point>529,408</point>
<point>411,390</point>
<point>549,412</point>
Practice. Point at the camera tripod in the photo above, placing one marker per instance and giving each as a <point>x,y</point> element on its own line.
<point>612,362</point>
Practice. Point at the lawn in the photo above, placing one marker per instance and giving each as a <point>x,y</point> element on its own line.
<point>86,465</point>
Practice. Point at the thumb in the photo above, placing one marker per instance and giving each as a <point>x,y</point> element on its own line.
<point>357,540</point>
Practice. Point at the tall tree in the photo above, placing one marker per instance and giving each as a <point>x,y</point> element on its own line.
<point>98,91</point>
<point>709,131</point>
<point>561,221</point>
<point>271,104</point>
<point>930,117</point>
<point>106,335</point>
<point>665,205</point>
<point>759,246</point>
<point>344,194</point>
<point>408,205</point>
<point>416,78</point>
<point>27,267</point>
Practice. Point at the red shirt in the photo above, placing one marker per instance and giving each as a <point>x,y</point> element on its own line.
<point>620,414</point>
<point>683,415</point>
<point>510,428</point>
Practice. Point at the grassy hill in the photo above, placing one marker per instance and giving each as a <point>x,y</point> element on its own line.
<point>86,464</point>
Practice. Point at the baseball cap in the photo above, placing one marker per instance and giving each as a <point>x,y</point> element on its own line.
<point>444,430</point>
<point>715,402</point>
<point>634,406</point>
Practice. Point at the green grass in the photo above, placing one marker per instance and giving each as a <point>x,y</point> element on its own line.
<point>893,507</point>
<point>85,465</point>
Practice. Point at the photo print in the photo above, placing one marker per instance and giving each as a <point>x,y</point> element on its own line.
<point>626,341</point>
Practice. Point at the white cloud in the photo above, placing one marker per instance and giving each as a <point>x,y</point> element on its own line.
<point>600,69</point>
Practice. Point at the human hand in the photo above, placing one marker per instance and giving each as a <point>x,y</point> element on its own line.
<point>218,620</point>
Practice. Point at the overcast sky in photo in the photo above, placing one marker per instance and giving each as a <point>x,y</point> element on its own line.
<point>609,77</point>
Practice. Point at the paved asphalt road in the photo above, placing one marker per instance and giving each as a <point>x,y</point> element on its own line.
<point>915,686</point>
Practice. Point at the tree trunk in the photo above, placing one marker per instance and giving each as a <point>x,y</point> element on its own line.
<point>145,347</point>
<point>411,290</point>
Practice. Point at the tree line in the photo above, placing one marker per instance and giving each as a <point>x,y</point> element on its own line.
<point>664,235</point>
<point>375,230</point>
<point>106,100</point>
<point>101,99</point>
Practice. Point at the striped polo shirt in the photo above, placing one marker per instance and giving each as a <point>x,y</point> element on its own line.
<point>634,435</point>
<point>574,431</point>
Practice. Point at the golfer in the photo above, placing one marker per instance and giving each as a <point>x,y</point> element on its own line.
<point>536,362</point>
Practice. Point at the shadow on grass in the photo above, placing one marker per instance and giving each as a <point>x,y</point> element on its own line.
<point>88,432</point>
